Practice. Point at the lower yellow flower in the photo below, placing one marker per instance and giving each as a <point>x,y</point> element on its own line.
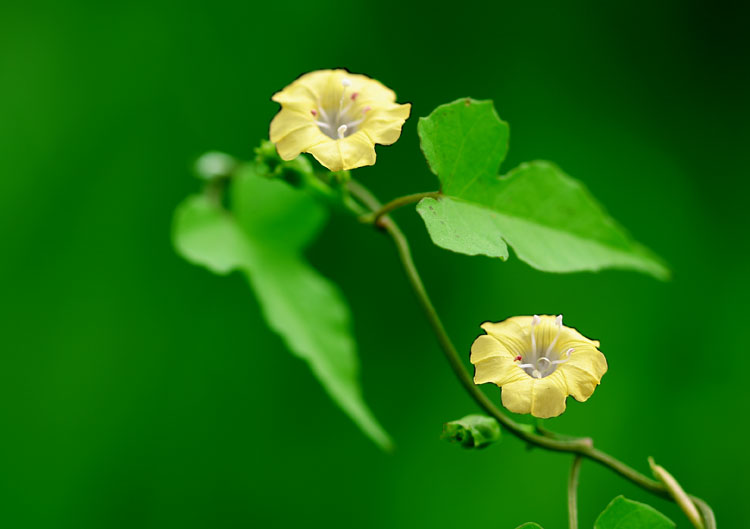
<point>338,117</point>
<point>538,362</point>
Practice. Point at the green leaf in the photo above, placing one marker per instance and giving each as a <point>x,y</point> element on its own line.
<point>263,238</point>
<point>623,513</point>
<point>529,525</point>
<point>472,431</point>
<point>550,220</point>
<point>464,142</point>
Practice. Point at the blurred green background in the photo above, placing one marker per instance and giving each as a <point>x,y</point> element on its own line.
<point>140,391</point>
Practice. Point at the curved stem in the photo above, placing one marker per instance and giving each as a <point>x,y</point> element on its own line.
<point>581,446</point>
<point>575,470</point>
<point>396,203</point>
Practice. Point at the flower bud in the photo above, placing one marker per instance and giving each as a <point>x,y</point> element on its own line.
<point>472,431</point>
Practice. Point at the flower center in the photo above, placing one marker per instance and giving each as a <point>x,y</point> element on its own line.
<point>541,359</point>
<point>339,119</point>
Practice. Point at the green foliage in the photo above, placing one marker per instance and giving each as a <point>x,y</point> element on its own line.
<point>623,513</point>
<point>551,221</point>
<point>263,237</point>
<point>472,431</point>
<point>529,525</point>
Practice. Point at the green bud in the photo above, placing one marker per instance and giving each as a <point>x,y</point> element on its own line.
<point>267,157</point>
<point>472,431</point>
<point>214,165</point>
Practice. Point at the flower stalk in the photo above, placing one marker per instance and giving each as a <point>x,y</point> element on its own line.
<point>396,203</point>
<point>575,471</point>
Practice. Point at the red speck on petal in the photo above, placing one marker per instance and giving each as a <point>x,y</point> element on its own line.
<point>313,112</point>
<point>354,95</point>
<point>517,358</point>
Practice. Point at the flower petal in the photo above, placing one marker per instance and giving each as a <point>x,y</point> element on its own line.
<point>307,91</point>
<point>542,397</point>
<point>499,370</point>
<point>369,90</point>
<point>383,125</point>
<point>510,334</point>
<point>287,121</point>
<point>486,346</point>
<point>583,371</point>
<point>570,337</point>
<point>493,362</point>
<point>351,152</point>
<point>300,140</point>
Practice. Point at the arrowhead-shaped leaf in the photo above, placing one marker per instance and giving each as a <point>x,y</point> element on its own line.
<point>551,221</point>
<point>263,237</point>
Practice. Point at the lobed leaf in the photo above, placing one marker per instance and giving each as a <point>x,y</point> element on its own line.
<point>550,220</point>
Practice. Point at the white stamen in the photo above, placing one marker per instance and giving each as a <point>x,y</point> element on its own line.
<point>342,120</point>
<point>558,322</point>
<point>542,364</point>
<point>354,123</point>
<point>534,322</point>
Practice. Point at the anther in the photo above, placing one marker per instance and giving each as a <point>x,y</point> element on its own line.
<point>355,95</point>
<point>313,112</point>
<point>342,130</point>
<point>517,359</point>
<point>366,109</point>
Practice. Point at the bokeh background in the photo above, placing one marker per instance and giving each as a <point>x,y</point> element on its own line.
<point>137,390</point>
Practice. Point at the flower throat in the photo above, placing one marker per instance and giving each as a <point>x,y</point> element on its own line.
<point>541,360</point>
<point>337,121</point>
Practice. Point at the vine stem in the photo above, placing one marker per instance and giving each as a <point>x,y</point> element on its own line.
<point>575,471</point>
<point>396,203</point>
<point>583,447</point>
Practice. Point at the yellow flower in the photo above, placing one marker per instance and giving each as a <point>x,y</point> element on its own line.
<point>338,117</point>
<point>538,362</point>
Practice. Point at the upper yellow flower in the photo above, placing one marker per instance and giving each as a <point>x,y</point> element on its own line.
<point>538,362</point>
<point>338,117</point>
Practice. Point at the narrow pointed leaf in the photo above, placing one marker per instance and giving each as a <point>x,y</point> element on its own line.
<point>264,238</point>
